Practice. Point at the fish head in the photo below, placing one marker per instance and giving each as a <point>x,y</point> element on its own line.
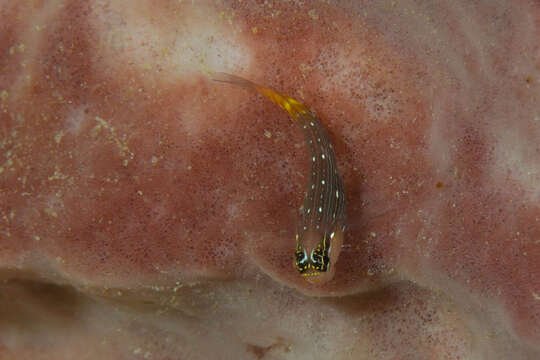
<point>316,254</point>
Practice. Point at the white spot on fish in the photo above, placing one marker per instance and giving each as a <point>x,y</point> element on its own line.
<point>332,235</point>
<point>337,194</point>
<point>320,209</point>
<point>311,123</point>
<point>322,182</point>
<point>313,159</point>
<point>322,156</point>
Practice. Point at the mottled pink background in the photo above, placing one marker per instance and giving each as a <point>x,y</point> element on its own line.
<point>149,213</point>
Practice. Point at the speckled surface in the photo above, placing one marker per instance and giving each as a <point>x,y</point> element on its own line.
<point>148,212</point>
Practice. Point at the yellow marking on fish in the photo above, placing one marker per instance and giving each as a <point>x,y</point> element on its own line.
<point>290,105</point>
<point>320,233</point>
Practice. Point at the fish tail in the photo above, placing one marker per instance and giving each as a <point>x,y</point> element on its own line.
<point>232,79</point>
<point>292,106</point>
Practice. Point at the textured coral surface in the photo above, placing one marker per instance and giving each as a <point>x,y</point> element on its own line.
<point>147,212</point>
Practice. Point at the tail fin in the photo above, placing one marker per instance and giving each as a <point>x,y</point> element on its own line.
<point>293,107</point>
<point>232,79</point>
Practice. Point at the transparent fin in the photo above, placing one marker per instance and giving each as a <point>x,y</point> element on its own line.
<point>232,79</point>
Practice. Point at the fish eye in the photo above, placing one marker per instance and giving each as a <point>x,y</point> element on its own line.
<point>301,256</point>
<point>301,260</point>
<point>320,259</point>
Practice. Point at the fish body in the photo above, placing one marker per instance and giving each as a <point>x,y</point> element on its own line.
<point>320,228</point>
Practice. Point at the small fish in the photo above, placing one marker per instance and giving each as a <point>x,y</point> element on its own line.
<point>320,230</point>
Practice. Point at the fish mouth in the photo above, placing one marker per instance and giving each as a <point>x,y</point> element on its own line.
<point>311,273</point>
<point>317,277</point>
